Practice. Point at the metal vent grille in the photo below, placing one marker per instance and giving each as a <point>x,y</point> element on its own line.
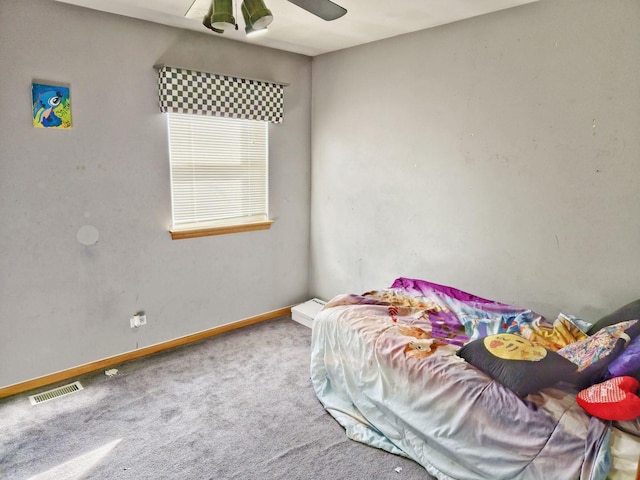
<point>55,393</point>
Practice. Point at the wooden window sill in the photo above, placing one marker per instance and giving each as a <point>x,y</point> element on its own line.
<point>179,234</point>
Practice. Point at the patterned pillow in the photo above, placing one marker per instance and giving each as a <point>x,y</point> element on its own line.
<point>515,362</point>
<point>593,354</point>
<point>614,399</point>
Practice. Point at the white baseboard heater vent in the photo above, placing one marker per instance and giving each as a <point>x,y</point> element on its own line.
<point>307,311</point>
<point>55,393</point>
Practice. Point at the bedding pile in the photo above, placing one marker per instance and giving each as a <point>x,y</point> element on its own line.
<point>468,387</point>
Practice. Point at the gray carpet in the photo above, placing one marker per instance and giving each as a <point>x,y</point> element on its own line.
<point>235,406</point>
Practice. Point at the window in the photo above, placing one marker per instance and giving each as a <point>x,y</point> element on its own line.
<point>219,174</point>
<point>218,148</point>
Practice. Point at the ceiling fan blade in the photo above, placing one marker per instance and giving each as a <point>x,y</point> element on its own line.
<point>325,9</point>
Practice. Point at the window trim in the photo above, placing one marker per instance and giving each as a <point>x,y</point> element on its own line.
<point>206,231</point>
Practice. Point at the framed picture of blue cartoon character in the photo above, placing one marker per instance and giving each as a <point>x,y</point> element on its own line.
<point>51,106</point>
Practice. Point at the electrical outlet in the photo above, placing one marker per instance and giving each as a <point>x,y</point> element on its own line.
<point>138,320</point>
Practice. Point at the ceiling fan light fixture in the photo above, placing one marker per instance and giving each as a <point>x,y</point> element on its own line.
<point>252,32</point>
<point>256,14</point>
<point>206,21</point>
<point>222,16</point>
<point>249,29</point>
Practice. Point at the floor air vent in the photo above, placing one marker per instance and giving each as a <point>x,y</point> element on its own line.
<point>55,393</point>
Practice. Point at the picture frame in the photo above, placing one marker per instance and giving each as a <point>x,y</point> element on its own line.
<point>51,105</point>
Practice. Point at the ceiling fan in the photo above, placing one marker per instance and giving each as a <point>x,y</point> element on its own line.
<point>257,16</point>
<point>325,9</point>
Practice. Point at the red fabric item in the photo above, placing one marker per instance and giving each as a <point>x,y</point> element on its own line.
<point>614,399</point>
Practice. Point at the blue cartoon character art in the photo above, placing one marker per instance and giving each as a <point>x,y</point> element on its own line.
<point>51,106</point>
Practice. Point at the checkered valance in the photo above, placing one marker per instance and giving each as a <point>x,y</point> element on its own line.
<point>202,93</point>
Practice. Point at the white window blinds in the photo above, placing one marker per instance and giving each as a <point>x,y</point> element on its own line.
<point>219,170</point>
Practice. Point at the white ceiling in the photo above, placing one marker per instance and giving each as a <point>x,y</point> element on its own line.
<point>296,30</point>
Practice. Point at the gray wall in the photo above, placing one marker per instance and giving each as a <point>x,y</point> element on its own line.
<point>499,155</point>
<point>64,304</point>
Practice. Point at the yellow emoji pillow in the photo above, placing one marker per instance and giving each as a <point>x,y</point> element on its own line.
<point>509,346</point>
